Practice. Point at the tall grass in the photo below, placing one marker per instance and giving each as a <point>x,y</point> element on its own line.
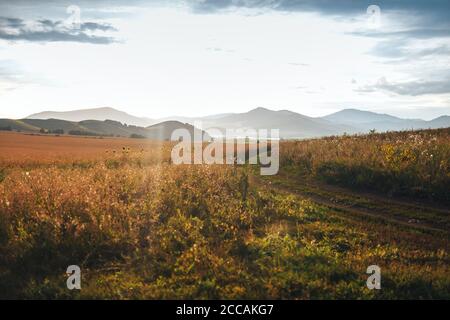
<point>411,163</point>
<point>140,227</point>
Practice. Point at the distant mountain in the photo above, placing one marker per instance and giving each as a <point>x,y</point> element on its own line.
<point>100,114</point>
<point>161,131</point>
<point>291,124</point>
<point>352,116</point>
<point>216,116</point>
<point>110,121</point>
<point>364,121</point>
<point>191,120</point>
<point>440,122</point>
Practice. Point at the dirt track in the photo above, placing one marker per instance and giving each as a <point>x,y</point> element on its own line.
<point>343,201</point>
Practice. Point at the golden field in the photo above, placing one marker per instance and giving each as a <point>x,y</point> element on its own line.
<point>142,228</point>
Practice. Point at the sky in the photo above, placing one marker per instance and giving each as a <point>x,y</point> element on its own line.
<point>202,57</point>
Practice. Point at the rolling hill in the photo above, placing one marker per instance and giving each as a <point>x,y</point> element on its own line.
<point>161,131</point>
<point>100,114</point>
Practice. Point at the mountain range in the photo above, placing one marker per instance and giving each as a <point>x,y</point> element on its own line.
<point>160,131</point>
<point>109,121</point>
<point>363,121</point>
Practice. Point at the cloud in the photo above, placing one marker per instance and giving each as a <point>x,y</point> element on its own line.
<point>14,29</point>
<point>92,26</point>
<point>400,50</point>
<point>341,7</point>
<point>411,88</point>
<point>420,19</point>
<point>437,8</point>
<point>414,33</point>
<point>12,22</point>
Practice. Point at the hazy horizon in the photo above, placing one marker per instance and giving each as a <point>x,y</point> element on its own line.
<point>215,114</point>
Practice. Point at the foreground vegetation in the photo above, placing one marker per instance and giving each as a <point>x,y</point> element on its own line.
<point>410,163</point>
<point>140,227</point>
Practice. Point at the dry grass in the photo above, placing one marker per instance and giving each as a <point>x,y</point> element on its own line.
<point>140,227</point>
<point>410,163</point>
